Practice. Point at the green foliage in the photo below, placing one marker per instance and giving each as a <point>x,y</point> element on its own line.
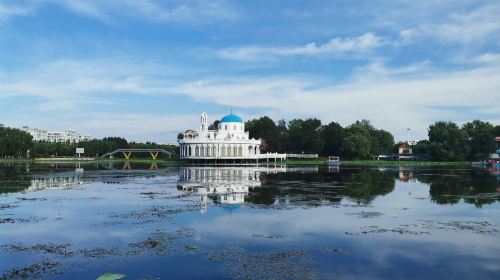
<point>14,142</point>
<point>333,135</point>
<point>361,140</point>
<point>481,139</point>
<point>214,126</point>
<point>95,148</point>
<point>264,128</point>
<point>303,136</point>
<point>357,142</point>
<point>496,130</point>
<point>382,142</point>
<point>422,147</point>
<point>448,142</point>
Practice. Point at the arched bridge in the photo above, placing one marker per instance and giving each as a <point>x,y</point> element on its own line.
<point>127,153</point>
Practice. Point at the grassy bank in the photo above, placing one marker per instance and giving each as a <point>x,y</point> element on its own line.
<point>287,162</point>
<point>403,163</point>
<point>75,160</point>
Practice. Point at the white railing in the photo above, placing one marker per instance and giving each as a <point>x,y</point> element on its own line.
<point>302,155</point>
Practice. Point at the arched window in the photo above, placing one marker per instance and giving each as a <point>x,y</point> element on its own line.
<point>240,151</point>
<point>250,150</point>
<point>213,151</point>
<point>235,150</point>
<point>223,151</point>
<point>189,153</point>
<point>229,150</point>
<point>255,148</point>
<point>202,151</point>
<point>225,127</point>
<point>196,151</point>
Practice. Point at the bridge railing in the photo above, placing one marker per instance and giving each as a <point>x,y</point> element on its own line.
<point>128,152</point>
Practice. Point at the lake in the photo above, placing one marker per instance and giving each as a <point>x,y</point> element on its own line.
<point>80,221</point>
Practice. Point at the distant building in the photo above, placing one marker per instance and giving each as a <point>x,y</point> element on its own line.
<point>229,140</point>
<point>71,136</point>
<point>405,149</point>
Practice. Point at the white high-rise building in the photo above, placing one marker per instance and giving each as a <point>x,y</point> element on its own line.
<point>70,135</point>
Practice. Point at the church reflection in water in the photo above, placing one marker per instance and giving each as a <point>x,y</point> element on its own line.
<point>225,185</point>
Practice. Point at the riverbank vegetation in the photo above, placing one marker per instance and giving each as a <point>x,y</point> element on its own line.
<point>15,143</point>
<point>361,140</point>
<point>447,142</point>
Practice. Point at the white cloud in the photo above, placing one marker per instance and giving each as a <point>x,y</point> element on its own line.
<point>337,45</point>
<point>185,12</point>
<point>194,11</point>
<point>6,12</point>
<point>475,27</point>
<point>393,103</point>
<point>392,98</point>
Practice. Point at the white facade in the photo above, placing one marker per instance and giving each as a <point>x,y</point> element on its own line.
<point>225,185</point>
<point>229,141</point>
<point>70,136</point>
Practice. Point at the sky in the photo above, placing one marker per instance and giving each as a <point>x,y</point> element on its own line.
<point>146,70</point>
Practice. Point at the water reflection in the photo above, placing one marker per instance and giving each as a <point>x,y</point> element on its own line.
<point>290,219</point>
<point>226,186</point>
<point>267,186</point>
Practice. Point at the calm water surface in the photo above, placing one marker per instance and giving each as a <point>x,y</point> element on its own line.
<point>188,222</point>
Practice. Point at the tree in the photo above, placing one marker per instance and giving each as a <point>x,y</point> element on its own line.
<point>281,130</point>
<point>14,142</point>
<point>448,142</point>
<point>481,138</point>
<point>333,135</point>
<point>264,128</point>
<point>422,147</point>
<point>382,142</point>
<point>357,142</point>
<point>180,136</point>
<point>214,125</point>
<point>497,130</point>
<point>304,136</point>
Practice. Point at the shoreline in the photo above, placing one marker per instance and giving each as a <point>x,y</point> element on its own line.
<point>287,162</point>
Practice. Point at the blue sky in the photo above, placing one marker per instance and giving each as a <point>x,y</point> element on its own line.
<point>145,70</point>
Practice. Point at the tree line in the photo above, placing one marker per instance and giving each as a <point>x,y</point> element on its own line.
<point>16,143</point>
<point>360,140</point>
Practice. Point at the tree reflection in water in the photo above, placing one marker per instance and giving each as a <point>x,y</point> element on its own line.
<point>269,186</point>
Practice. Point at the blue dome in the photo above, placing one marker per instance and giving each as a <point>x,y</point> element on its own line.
<point>231,118</point>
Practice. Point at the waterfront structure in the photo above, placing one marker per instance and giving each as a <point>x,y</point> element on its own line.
<point>405,149</point>
<point>226,186</point>
<point>71,136</point>
<point>229,142</point>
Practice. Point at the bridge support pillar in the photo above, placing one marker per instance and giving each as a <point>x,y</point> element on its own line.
<point>127,154</point>
<point>126,166</point>
<point>154,155</point>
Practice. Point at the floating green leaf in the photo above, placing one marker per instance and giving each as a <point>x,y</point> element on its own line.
<point>110,276</point>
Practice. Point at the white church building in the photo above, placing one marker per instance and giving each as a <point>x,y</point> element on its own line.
<point>229,142</point>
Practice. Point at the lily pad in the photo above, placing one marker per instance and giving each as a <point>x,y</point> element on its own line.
<point>111,276</point>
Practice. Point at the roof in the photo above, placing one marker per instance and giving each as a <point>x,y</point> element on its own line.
<point>404,145</point>
<point>231,118</point>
